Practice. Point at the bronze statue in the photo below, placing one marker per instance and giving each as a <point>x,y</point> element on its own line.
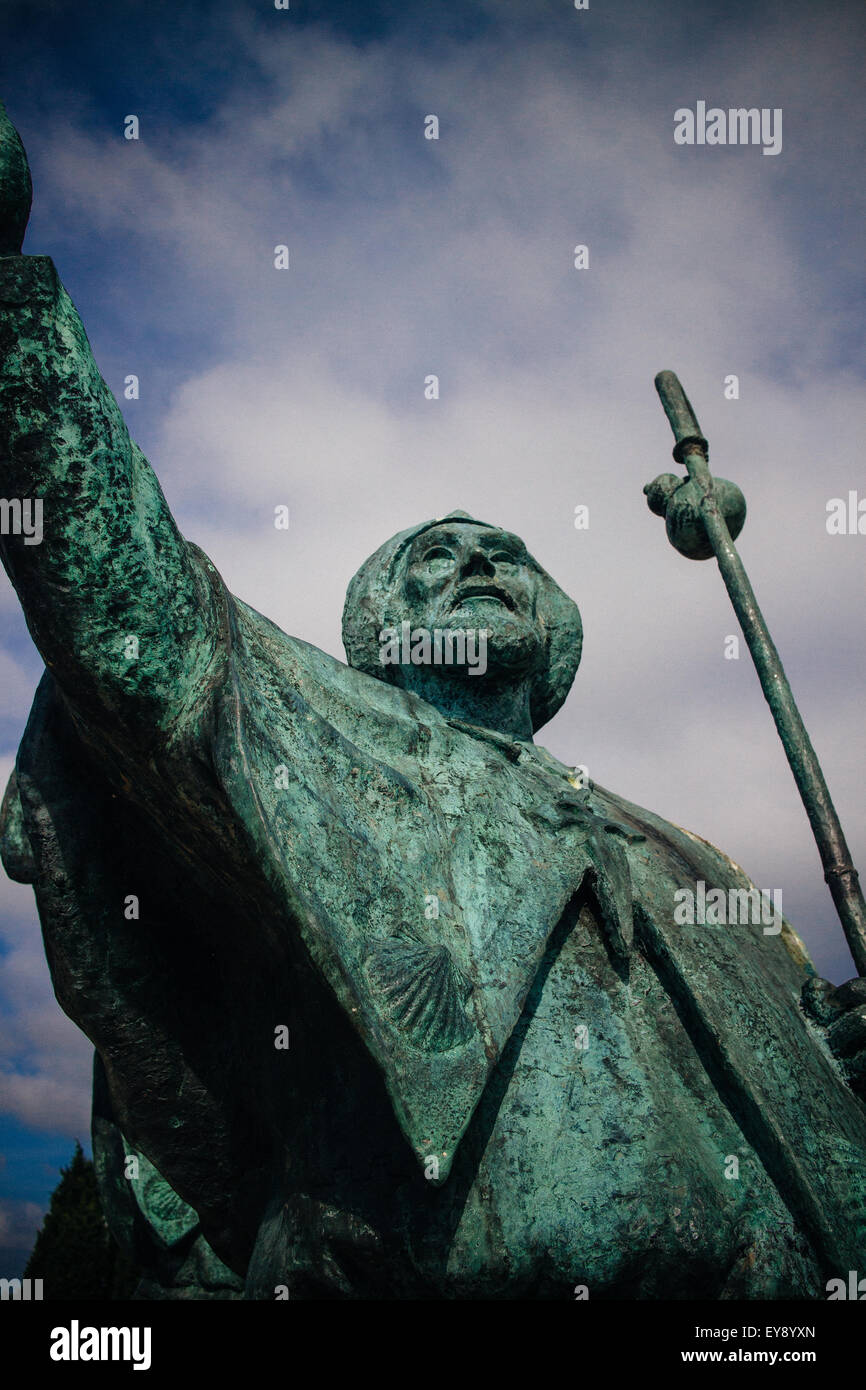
<point>386,1001</point>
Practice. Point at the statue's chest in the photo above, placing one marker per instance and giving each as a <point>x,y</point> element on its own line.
<point>513,863</point>
<point>524,848</point>
<point>601,1153</point>
<point>439,841</point>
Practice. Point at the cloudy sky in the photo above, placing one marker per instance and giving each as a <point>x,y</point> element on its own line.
<point>408,257</point>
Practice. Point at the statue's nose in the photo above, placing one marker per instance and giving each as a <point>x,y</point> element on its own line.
<point>477,563</point>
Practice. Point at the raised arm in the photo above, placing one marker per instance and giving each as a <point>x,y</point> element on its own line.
<point>113,597</point>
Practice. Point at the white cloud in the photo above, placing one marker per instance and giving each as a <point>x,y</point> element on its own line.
<point>19,1223</point>
<point>17,685</point>
<point>58,1102</point>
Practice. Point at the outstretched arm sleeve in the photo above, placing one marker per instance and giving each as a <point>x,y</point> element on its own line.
<point>112,597</point>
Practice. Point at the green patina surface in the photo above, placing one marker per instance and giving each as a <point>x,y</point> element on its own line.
<point>509,1070</point>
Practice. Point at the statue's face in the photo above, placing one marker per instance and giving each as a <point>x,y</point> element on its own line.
<point>474,577</point>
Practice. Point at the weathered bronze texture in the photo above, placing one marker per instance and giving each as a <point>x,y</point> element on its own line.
<point>387,1001</point>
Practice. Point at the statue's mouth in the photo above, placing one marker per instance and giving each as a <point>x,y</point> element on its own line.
<point>483,591</point>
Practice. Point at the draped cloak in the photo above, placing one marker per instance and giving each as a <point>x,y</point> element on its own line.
<point>391,1005</point>
<point>285,856</point>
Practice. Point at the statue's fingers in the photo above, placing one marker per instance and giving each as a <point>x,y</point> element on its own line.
<point>818,997</point>
<point>847,1036</point>
<point>852,993</point>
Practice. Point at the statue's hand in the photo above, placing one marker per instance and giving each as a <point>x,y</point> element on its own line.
<point>842,1014</point>
<point>16,190</point>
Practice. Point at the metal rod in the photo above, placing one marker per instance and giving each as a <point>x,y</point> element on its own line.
<point>839,872</point>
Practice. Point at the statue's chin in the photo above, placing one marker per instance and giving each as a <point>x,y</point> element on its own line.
<point>512,647</point>
<point>512,651</point>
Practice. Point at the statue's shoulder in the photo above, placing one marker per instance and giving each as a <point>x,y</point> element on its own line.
<point>272,665</point>
<point>670,852</point>
<point>694,849</point>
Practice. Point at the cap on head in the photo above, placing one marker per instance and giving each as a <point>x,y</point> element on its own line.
<point>374,601</point>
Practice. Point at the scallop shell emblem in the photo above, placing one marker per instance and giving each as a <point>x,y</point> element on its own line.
<point>422,991</point>
<point>166,1212</point>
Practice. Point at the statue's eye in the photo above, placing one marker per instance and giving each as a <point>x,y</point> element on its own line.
<point>438,560</point>
<point>505,557</point>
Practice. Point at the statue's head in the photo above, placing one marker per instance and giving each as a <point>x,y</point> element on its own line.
<point>454,575</point>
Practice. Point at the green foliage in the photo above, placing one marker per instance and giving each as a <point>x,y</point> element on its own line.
<point>75,1254</point>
